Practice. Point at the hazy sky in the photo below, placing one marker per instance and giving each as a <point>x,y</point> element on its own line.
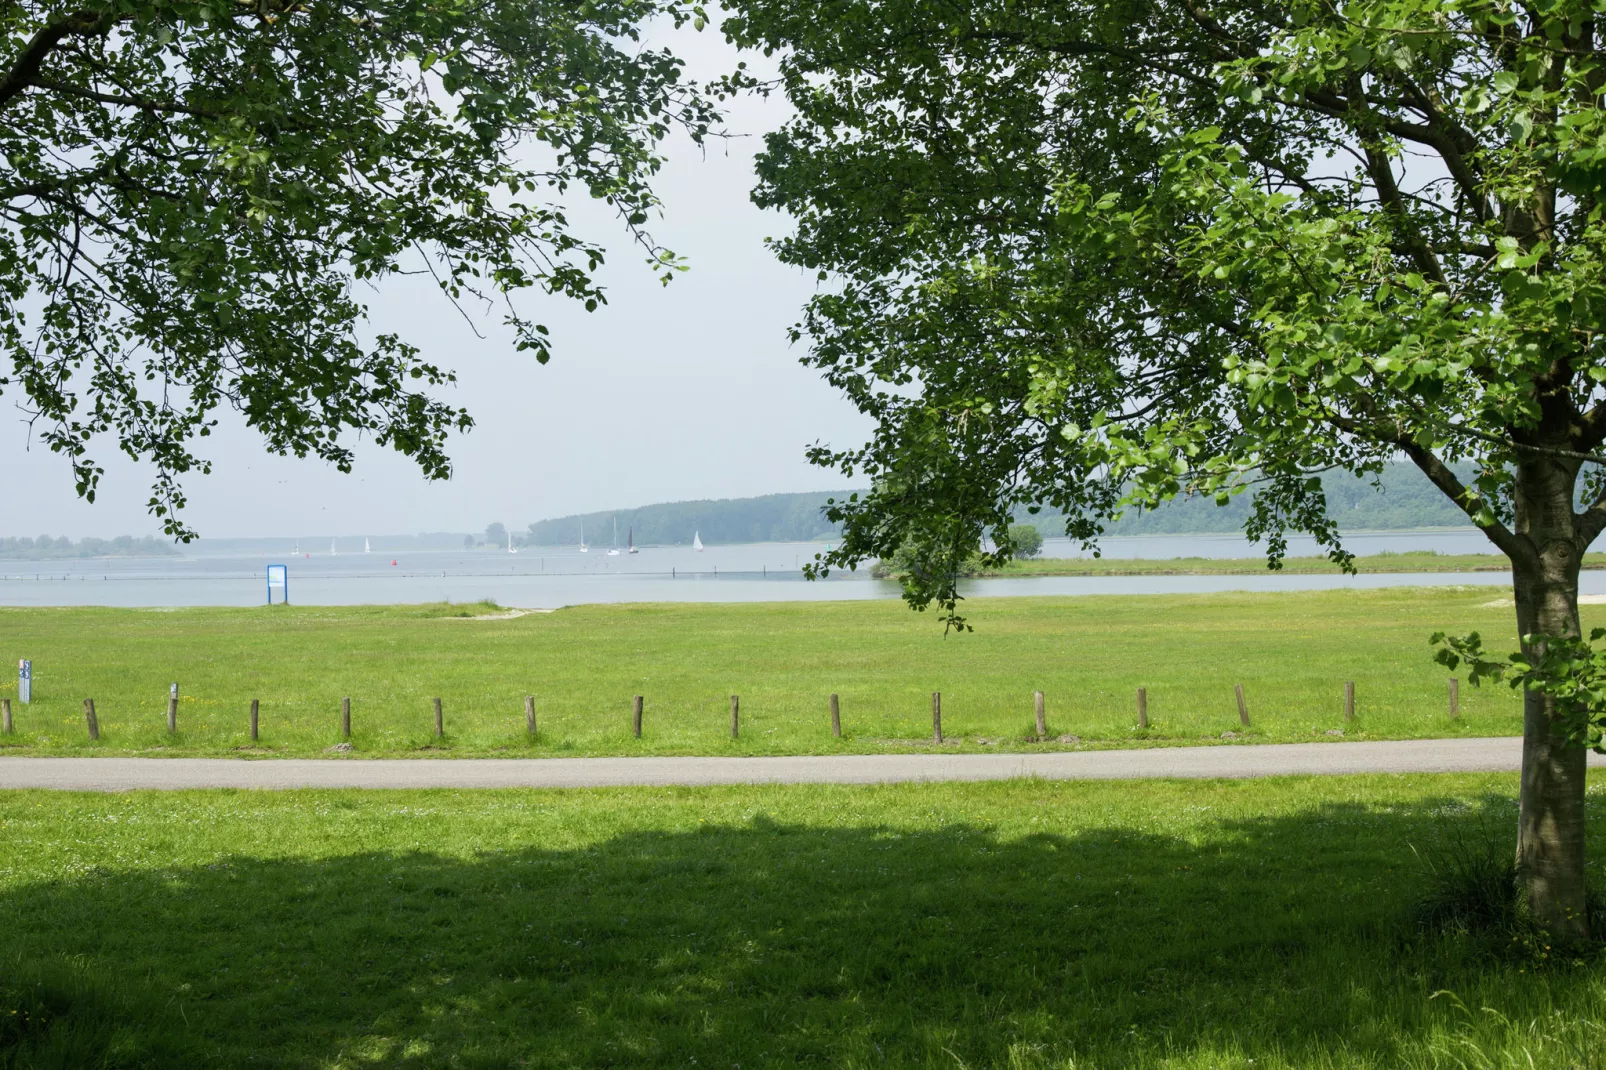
<point>667,393</point>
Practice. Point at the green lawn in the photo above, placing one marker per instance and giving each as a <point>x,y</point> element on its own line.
<point>1292,652</point>
<point>1258,924</point>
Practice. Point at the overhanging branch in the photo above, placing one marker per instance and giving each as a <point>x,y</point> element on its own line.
<point>25,69</point>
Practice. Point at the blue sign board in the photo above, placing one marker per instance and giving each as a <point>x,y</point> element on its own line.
<point>279,576</point>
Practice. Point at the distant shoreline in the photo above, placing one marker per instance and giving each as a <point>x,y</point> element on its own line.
<point>1412,561</point>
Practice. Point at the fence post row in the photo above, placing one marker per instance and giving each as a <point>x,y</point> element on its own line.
<point>1040,710</point>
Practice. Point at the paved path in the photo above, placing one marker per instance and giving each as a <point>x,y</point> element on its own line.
<point>1253,760</point>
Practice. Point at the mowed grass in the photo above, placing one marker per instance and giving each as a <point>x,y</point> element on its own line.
<point>1262,924</point>
<point>1292,652</point>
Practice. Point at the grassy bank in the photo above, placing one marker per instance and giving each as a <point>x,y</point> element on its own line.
<point>1025,925</point>
<point>1292,652</point>
<point>1409,561</point>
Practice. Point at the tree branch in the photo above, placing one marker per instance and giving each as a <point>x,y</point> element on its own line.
<point>1508,542</point>
<point>1514,546</point>
<point>1381,169</point>
<point>25,70</point>
<point>141,103</point>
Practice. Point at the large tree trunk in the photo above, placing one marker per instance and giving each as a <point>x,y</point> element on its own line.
<point>1550,832</point>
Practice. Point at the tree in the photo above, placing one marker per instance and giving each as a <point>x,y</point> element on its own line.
<point>194,195</point>
<point>496,534</point>
<point>468,542</point>
<point>1098,254</point>
<point>1024,541</point>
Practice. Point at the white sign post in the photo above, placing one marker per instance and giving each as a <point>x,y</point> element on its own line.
<point>279,576</point>
<point>25,681</point>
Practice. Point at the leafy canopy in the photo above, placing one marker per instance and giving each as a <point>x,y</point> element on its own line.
<point>1097,254</point>
<point>195,196</point>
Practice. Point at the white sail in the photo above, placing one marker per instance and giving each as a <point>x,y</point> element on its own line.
<point>583,547</point>
<point>696,541</point>
<point>365,547</point>
<point>331,547</point>
<point>614,551</point>
<point>510,548</point>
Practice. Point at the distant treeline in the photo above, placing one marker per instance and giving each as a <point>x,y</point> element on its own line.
<point>1400,498</point>
<point>771,518</point>
<point>319,544</point>
<point>45,548</point>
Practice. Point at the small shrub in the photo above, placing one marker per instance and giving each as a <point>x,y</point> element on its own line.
<point>1025,541</point>
<point>1472,891</point>
<point>1471,886</point>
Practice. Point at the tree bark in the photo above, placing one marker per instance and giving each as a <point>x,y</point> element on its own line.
<point>1550,825</point>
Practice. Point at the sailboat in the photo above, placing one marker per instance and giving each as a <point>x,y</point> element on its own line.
<point>510,548</point>
<point>297,551</point>
<point>583,547</point>
<point>696,542</point>
<point>331,547</point>
<point>614,551</point>
<point>630,542</point>
<point>365,547</point>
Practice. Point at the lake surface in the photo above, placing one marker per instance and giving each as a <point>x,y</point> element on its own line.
<point>765,572</point>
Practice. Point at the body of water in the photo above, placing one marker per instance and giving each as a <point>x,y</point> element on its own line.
<point>762,572</point>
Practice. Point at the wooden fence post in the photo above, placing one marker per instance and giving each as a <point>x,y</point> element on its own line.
<point>1349,701</point>
<point>936,715</point>
<point>836,717</point>
<point>637,706</point>
<point>529,714</point>
<point>172,708</point>
<point>1042,714</point>
<point>6,727</point>
<point>345,717</point>
<point>1455,698</point>
<point>89,716</point>
<point>440,724</point>
<point>1243,707</point>
<point>736,710</point>
<point>1143,707</point>
<point>254,706</point>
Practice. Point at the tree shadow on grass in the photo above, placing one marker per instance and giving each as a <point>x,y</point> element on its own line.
<point>765,943</point>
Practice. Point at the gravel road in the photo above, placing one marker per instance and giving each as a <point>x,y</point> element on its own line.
<point>1245,760</point>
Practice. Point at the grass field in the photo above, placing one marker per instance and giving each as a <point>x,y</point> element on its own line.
<point>1292,652</point>
<point>1024,925</point>
<point>1409,561</point>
